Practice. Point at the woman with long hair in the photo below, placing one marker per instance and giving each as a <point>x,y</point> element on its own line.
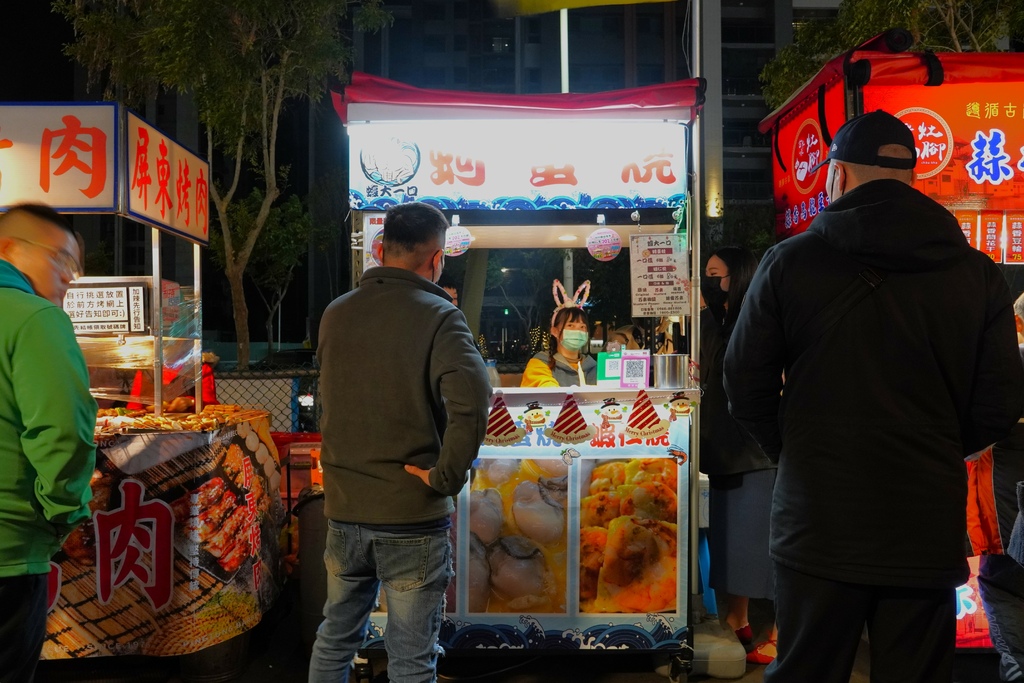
<point>741,476</point>
<point>566,363</point>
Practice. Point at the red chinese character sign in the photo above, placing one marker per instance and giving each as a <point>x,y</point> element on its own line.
<point>970,143</point>
<point>168,184</point>
<point>64,155</point>
<point>798,145</point>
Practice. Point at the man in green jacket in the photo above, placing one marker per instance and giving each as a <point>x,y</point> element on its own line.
<point>47,417</point>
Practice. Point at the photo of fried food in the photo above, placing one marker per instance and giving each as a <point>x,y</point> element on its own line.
<point>222,523</point>
<point>639,571</point>
<point>628,536</point>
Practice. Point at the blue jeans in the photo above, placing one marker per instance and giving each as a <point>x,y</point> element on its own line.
<point>414,570</point>
<point>1001,582</point>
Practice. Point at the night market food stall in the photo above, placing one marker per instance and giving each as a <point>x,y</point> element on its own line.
<point>181,552</point>
<point>966,111</point>
<point>575,530</point>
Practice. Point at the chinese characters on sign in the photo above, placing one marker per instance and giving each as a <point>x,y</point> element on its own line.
<point>62,155</point>
<point>660,275</point>
<point>105,309</point>
<point>135,542</point>
<point>520,164</point>
<point>176,196</point>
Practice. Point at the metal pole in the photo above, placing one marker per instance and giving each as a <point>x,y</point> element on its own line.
<point>197,344</point>
<point>563,44</point>
<point>694,210</point>
<point>157,300</point>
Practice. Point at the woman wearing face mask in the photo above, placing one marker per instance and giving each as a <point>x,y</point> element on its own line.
<point>569,365</point>
<point>741,476</point>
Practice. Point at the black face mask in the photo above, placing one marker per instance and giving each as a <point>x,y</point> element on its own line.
<point>714,296</point>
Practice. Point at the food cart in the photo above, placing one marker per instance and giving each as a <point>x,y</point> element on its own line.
<point>566,477</point>
<point>966,111</point>
<point>181,552</point>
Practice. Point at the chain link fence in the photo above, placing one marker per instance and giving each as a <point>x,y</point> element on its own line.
<point>290,393</point>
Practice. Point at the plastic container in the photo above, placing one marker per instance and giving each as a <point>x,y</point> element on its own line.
<point>492,372</point>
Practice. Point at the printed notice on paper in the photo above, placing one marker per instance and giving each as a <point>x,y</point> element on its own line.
<point>660,275</point>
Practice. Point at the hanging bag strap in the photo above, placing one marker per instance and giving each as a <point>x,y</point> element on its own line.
<point>867,281</point>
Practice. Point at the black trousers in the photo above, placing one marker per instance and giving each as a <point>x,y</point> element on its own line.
<point>911,631</point>
<point>22,626</point>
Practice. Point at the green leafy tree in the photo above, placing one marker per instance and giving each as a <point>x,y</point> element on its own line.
<point>241,61</point>
<point>281,245</point>
<point>939,25</point>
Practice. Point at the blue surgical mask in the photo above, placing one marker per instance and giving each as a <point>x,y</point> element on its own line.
<point>574,340</point>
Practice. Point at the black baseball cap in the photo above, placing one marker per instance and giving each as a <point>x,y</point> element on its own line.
<point>857,141</point>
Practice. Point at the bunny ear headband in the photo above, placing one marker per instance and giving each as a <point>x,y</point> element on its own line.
<point>562,300</point>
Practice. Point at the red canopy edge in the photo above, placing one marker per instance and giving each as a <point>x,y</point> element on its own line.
<point>904,68</point>
<point>910,68</point>
<point>366,88</point>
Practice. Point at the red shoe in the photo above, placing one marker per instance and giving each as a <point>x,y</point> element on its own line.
<point>763,653</point>
<point>745,635</point>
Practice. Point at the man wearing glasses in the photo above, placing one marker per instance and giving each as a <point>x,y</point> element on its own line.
<point>47,417</point>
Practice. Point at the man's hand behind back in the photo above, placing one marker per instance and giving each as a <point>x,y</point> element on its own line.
<point>424,475</point>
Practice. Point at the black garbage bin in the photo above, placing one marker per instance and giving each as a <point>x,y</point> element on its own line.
<point>312,572</point>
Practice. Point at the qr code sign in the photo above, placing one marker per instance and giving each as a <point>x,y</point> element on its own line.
<point>633,370</point>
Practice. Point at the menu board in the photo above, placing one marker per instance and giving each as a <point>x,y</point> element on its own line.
<point>660,275</point>
<point>105,309</point>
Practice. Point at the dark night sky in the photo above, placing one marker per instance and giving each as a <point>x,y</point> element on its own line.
<point>34,67</point>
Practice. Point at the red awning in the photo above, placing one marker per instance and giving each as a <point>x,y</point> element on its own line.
<point>391,100</point>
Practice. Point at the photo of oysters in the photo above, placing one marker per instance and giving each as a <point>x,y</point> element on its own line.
<point>517,524</point>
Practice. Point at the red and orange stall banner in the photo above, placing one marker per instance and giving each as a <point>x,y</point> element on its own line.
<point>802,143</point>
<point>970,148</point>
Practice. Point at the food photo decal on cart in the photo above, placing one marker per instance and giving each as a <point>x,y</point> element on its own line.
<point>182,550</point>
<point>570,531</point>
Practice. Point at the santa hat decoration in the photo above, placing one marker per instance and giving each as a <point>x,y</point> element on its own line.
<point>644,422</point>
<point>501,429</point>
<point>570,425</point>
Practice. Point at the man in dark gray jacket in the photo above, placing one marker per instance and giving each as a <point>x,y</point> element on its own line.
<point>405,398</point>
<point>898,347</point>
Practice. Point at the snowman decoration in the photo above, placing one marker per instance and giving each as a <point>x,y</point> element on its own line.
<point>535,417</point>
<point>679,406</point>
<point>611,413</point>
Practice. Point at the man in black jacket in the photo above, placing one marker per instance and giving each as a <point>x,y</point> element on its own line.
<point>898,347</point>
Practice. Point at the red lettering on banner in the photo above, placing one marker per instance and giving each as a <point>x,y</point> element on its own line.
<point>72,141</point>
<point>553,175</point>
<point>202,201</point>
<point>246,473</point>
<point>605,436</point>
<point>656,166</point>
<point>163,175</point>
<point>52,586</point>
<point>466,170</point>
<point>126,536</point>
<point>182,186</point>
<point>254,540</point>
<point>140,174</point>
<point>250,507</point>
<point>257,576</point>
